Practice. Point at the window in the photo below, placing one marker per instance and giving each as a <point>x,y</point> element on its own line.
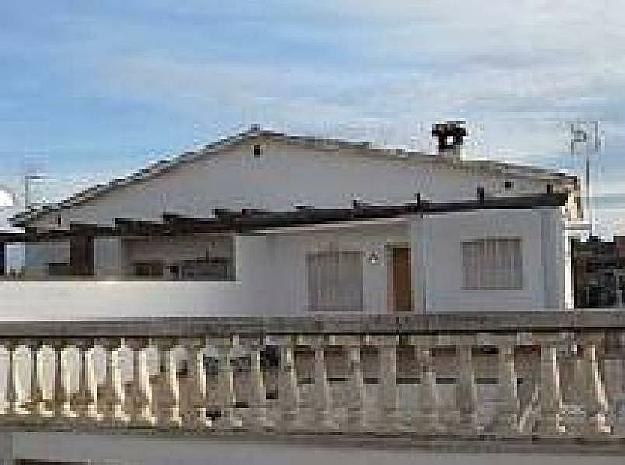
<point>202,269</point>
<point>335,281</point>
<point>257,151</point>
<point>508,185</point>
<point>492,264</point>
<point>152,269</point>
<point>59,269</point>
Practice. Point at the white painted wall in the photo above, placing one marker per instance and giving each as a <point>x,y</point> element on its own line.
<point>274,265</point>
<point>287,175</point>
<point>71,300</point>
<point>272,276</point>
<point>542,245</point>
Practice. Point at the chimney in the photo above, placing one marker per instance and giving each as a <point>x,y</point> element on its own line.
<point>450,135</point>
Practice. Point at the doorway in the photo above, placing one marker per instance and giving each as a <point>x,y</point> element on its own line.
<point>401,279</point>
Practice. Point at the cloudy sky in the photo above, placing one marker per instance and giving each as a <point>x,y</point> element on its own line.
<point>91,90</point>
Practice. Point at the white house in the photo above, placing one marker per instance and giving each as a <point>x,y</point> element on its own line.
<point>268,223</point>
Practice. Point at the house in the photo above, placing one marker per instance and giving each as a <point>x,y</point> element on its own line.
<point>270,223</point>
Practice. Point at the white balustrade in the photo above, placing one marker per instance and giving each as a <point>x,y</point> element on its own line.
<point>109,382</point>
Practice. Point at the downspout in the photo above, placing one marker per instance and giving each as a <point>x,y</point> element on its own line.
<point>424,262</point>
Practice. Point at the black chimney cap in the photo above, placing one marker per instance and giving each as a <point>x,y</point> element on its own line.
<point>453,130</point>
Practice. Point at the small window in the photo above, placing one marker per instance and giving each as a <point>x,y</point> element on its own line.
<point>492,264</point>
<point>508,185</point>
<point>202,269</point>
<point>148,269</point>
<point>59,269</point>
<point>257,150</point>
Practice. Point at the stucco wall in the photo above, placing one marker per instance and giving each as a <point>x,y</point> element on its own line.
<point>543,273</point>
<point>275,265</point>
<point>62,300</point>
<point>284,176</point>
<point>272,277</point>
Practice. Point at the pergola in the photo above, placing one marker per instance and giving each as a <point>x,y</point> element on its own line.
<point>250,220</point>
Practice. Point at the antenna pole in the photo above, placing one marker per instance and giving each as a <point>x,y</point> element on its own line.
<point>587,176</point>
<point>26,192</point>
<point>27,180</point>
<point>580,133</point>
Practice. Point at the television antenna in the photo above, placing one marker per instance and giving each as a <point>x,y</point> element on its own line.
<point>585,135</point>
<point>28,179</point>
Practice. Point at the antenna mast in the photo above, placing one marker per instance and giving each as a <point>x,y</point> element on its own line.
<point>581,133</point>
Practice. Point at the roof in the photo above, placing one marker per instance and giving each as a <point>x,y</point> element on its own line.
<point>254,132</point>
<point>228,221</point>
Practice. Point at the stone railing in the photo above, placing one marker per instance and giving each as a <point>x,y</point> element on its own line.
<point>470,375</point>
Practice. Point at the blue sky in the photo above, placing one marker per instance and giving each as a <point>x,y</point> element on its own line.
<point>91,90</point>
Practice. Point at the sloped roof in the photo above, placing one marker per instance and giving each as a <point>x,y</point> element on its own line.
<point>254,132</point>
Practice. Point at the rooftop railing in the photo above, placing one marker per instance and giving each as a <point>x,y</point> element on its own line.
<point>546,374</point>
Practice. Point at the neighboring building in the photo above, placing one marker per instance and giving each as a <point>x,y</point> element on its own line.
<point>599,272</point>
<point>301,223</point>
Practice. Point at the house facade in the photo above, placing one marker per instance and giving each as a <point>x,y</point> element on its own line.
<point>267,223</point>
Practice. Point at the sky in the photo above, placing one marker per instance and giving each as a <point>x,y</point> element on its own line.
<point>95,90</point>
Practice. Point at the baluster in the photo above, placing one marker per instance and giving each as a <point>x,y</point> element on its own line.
<point>466,389</point>
<point>549,422</point>
<point>136,401</point>
<point>21,400</point>
<point>258,393</point>
<point>149,409</point>
<point>195,393</point>
<point>322,394</point>
<point>429,402</point>
<point>288,390</point>
<point>9,405</point>
<point>46,394</point>
<point>169,395</point>
<point>388,399</point>
<point>81,399</point>
<point>91,377</point>
<point>120,414</point>
<point>61,384</point>
<point>35,404</point>
<point>356,415</point>
<point>594,395</point>
<point>225,382</point>
<point>507,421</point>
<point>109,403</point>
